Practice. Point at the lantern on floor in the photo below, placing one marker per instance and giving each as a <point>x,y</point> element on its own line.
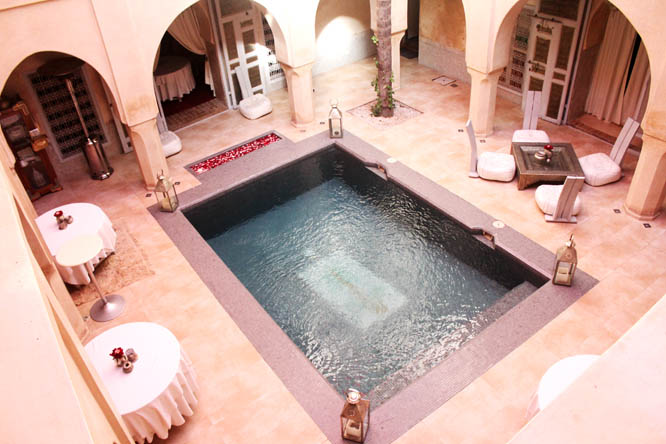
<point>355,416</point>
<point>565,263</point>
<point>165,193</point>
<point>335,121</point>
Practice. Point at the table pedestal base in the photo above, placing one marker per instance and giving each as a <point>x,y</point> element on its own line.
<point>102,311</point>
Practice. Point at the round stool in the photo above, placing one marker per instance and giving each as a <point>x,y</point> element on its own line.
<point>81,250</point>
<point>557,378</point>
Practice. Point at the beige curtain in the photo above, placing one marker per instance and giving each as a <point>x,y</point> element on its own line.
<point>186,30</point>
<point>636,97</point>
<point>606,97</point>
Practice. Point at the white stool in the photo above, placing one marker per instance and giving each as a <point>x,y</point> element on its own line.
<point>82,250</point>
<point>556,379</point>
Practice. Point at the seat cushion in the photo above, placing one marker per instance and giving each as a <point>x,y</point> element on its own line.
<point>171,143</point>
<point>530,136</point>
<point>496,166</point>
<point>599,169</point>
<point>546,197</point>
<point>256,106</point>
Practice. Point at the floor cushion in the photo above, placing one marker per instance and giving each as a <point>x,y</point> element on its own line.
<point>530,136</point>
<point>256,106</point>
<point>496,166</point>
<point>546,197</point>
<point>599,169</point>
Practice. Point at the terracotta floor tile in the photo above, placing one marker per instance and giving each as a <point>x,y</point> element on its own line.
<point>243,401</point>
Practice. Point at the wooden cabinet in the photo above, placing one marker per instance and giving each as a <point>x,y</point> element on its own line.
<point>28,144</point>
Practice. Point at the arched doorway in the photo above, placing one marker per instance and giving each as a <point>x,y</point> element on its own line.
<point>51,152</point>
<point>187,75</point>
<point>612,79</point>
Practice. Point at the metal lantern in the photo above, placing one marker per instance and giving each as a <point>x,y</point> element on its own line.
<point>355,416</point>
<point>165,193</point>
<point>565,263</point>
<point>335,121</point>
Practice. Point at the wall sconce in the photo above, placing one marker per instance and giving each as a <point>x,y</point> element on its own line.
<point>566,261</point>
<point>165,193</point>
<point>335,121</point>
<point>355,417</point>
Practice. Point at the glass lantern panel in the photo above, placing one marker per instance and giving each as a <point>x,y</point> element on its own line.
<point>336,127</point>
<point>563,273</point>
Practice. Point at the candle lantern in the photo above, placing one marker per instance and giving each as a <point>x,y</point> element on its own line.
<point>355,417</point>
<point>335,121</point>
<point>165,193</point>
<point>565,263</point>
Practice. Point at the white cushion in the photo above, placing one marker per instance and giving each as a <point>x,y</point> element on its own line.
<point>171,143</point>
<point>546,197</point>
<point>256,106</point>
<point>496,166</point>
<point>599,169</point>
<point>530,136</point>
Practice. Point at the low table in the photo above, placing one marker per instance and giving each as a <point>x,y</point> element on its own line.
<point>564,163</point>
<point>161,390</point>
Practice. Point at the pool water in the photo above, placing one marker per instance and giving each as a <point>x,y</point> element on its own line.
<point>372,284</point>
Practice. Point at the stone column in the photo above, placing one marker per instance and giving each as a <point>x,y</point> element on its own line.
<point>482,100</point>
<point>395,57</point>
<point>301,99</point>
<point>148,149</point>
<point>648,186</point>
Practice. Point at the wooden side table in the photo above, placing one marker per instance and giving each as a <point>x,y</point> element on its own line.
<point>82,250</point>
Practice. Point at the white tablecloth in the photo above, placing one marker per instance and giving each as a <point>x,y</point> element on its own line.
<point>88,219</point>
<point>173,77</point>
<point>160,391</point>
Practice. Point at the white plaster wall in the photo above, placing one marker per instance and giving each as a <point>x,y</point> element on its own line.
<point>448,61</point>
<point>342,33</point>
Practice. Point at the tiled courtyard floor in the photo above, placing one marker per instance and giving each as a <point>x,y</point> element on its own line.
<point>243,401</point>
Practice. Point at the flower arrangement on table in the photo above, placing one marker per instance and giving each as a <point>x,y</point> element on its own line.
<point>124,359</point>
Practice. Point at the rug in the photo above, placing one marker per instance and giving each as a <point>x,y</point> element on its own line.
<point>195,114</point>
<point>401,113</point>
<point>602,135</point>
<point>126,266</point>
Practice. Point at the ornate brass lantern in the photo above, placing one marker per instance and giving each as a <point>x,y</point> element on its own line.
<point>165,193</point>
<point>565,263</point>
<point>355,417</point>
<point>335,121</point>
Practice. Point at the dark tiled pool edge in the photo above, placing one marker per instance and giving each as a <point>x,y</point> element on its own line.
<point>405,409</point>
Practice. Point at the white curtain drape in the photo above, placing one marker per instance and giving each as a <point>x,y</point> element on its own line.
<point>636,97</point>
<point>186,30</point>
<point>606,96</point>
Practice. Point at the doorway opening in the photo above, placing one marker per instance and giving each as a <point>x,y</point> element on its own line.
<point>409,45</point>
<point>612,80</point>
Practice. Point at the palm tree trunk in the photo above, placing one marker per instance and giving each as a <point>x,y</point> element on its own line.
<point>384,69</point>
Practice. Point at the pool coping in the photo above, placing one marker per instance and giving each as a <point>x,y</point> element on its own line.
<point>312,391</point>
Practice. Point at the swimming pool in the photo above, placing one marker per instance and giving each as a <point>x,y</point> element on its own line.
<point>378,278</point>
<point>364,278</point>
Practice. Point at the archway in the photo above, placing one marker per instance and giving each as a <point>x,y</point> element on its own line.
<point>537,42</point>
<point>612,81</point>
<point>216,38</point>
<point>52,149</point>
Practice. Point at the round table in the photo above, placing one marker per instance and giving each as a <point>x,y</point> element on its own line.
<point>162,387</point>
<point>88,219</point>
<point>173,77</point>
